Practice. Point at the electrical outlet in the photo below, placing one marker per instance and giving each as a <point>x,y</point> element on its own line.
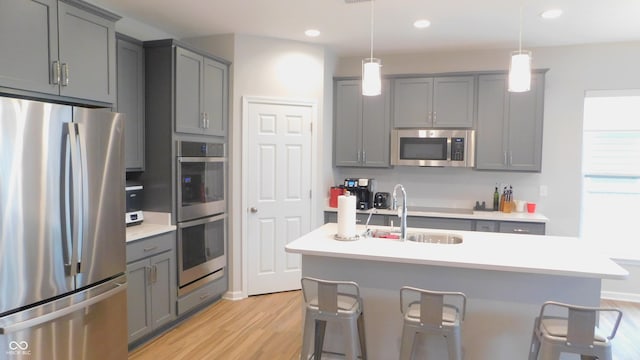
<point>544,190</point>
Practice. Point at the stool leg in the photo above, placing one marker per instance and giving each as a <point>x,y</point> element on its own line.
<point>406,346</point>
<point>454,344</point>
<point>535,343</point>
<point>548,351</point>
<point>351,332</point>
<point>307,336</point>
<point>321,326</point>
<point>363,342</point>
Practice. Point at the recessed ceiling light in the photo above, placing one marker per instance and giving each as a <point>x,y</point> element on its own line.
<point>312,33</point>
<point>422,23</point>
<point>551,14</point>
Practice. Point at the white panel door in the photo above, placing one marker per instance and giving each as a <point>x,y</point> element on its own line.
<point>278,193</point>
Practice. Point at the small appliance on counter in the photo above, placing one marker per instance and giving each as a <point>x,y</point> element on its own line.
<point>381,200</point>
<point>363,189</point>
<point>133,193</point>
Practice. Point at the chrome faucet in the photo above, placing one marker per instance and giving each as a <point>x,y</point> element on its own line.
<point>403,214</point>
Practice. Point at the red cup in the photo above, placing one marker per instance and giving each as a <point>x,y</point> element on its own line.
<point>531,208</point>
<point>334,193</point>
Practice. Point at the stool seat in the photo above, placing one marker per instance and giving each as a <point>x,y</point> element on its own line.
<point>337,302</point>
<point>575,333</point>
<point>432,312</point>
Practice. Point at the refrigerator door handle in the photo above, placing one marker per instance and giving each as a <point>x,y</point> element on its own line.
<point>31,323</point>
<point>77,197</point>
<point>67,176</point>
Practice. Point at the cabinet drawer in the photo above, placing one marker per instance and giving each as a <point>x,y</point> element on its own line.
<point>438,223</point>
<point>205,294</point>
<point>522,228</point>
<point>150,246</point>
<point>486,226</point>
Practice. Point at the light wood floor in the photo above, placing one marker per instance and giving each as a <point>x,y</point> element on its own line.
<point>269,327</point>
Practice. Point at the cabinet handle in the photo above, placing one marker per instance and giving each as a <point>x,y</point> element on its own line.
<point>358,156</point>
<point>149,271</point>
<point>435,117</point>
<point>56,72</point>
<point>364,157</point>
<point>202,297</point>
<point>505,158</point>
<point>65,74</point>
<point>202,120</point>
<point>510,158</point>
<point>521,231</point>
<point>150,248</point>
<point>155,274</point>
<point>206,119</point>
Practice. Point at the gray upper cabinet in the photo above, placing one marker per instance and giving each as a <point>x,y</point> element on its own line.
<point>58,48</point>
<point>130,74</point>
<point>201,94</point>
<point>361,126</point>
<point>438,102</point>
<point>509,130</point>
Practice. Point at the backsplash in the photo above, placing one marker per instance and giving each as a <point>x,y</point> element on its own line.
<point>448,187</point>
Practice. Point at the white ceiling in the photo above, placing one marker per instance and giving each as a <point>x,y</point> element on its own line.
<point>455,24</point>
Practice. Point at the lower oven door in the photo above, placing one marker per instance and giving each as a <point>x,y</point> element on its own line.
<point>202,248</point>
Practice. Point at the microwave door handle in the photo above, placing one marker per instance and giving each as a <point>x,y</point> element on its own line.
<point>77,197</point>
<point>195,159</point>
<point>448,149</point>
<point>187,224</point>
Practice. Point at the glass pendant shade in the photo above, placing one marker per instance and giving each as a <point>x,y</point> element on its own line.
<point>520,71</point>
<point>371,77</point>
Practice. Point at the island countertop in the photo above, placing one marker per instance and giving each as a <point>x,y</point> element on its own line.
<point>535,254</point>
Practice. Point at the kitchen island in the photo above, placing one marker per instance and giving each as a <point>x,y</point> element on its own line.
<point>506,278</point>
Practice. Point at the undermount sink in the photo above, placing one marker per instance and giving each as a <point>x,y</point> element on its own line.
<point>434,238</point>
<point>421,236</point>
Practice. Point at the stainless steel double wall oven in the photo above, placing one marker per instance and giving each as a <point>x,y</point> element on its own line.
<point>201,213</point>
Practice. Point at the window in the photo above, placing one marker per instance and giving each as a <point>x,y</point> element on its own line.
<point>611,172</point>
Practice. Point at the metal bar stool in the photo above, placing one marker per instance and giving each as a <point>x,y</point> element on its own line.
<point>332,301</point>
<point>432,312</point>
<point>576,333</point>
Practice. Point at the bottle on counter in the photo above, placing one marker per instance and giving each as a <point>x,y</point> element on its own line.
<point>496,200</point>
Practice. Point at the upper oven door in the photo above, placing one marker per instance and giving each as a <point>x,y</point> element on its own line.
<point>201,187</point>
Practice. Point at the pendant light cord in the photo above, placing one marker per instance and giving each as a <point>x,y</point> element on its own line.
<point>520,35</point>
<point>371,55</point>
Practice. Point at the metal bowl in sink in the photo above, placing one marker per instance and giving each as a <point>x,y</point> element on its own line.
<point>434,238</point>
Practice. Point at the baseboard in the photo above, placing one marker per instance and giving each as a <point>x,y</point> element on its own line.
<point>620,296</point>
<point>233,295</point>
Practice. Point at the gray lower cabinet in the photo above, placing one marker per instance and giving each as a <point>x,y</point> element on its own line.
<point>361,126</point>
<point>201,94</point>
<point>151,294</point>
<point>361,219</point>
<point>130,95</point>
<point>439,223</point>
<point>509,128</point>
<point>64,48</point>
<point>522,228</point>
<point>438,102</point>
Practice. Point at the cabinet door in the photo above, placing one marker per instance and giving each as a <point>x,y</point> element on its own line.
<point>525,127</point>
<point>491,133</point>
<point>412,102</point>
<point>376,132</point>
<point>87,54</point>
<point>453,99</point>
<point>347,127</point>
<point>163,288</point>
<point>189,87</point>
<point>29,43</point>
<point>130,95</point>
<point>138,299</point>
<point>215,97</point>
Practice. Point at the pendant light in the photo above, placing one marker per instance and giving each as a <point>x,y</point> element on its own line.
<point>520,67</point>
<point>371,77</point>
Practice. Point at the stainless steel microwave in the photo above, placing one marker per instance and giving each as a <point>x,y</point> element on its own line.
<point>433,147</point>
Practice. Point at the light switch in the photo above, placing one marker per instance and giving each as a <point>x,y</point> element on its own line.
<point>544,191</point>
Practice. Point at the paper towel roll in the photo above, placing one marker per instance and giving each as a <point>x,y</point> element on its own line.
<point>346,216</point>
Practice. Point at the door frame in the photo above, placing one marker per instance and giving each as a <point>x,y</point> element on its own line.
<point>247,101</point>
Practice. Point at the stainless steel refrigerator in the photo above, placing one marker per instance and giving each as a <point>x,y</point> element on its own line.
<point>62,232</point>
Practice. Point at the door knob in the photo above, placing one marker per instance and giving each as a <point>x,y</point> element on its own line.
<point>253,209</point>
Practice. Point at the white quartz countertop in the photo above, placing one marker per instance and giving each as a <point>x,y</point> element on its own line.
<point>154,223</point>
<point>541,254</point>
<point>460,214</point>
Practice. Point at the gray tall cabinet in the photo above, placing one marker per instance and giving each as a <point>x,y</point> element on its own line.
<point>361,126</point>
<point>130,99</point>
<point>58,47</point>
<point>509,132</point>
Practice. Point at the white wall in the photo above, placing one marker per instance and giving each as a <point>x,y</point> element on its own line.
<point>572,71</point>
<point>278,69</point>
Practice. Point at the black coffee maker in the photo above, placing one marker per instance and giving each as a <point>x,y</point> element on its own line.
<point>363,189</point>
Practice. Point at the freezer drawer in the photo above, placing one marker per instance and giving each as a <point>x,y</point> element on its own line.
<point>91,324</point>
